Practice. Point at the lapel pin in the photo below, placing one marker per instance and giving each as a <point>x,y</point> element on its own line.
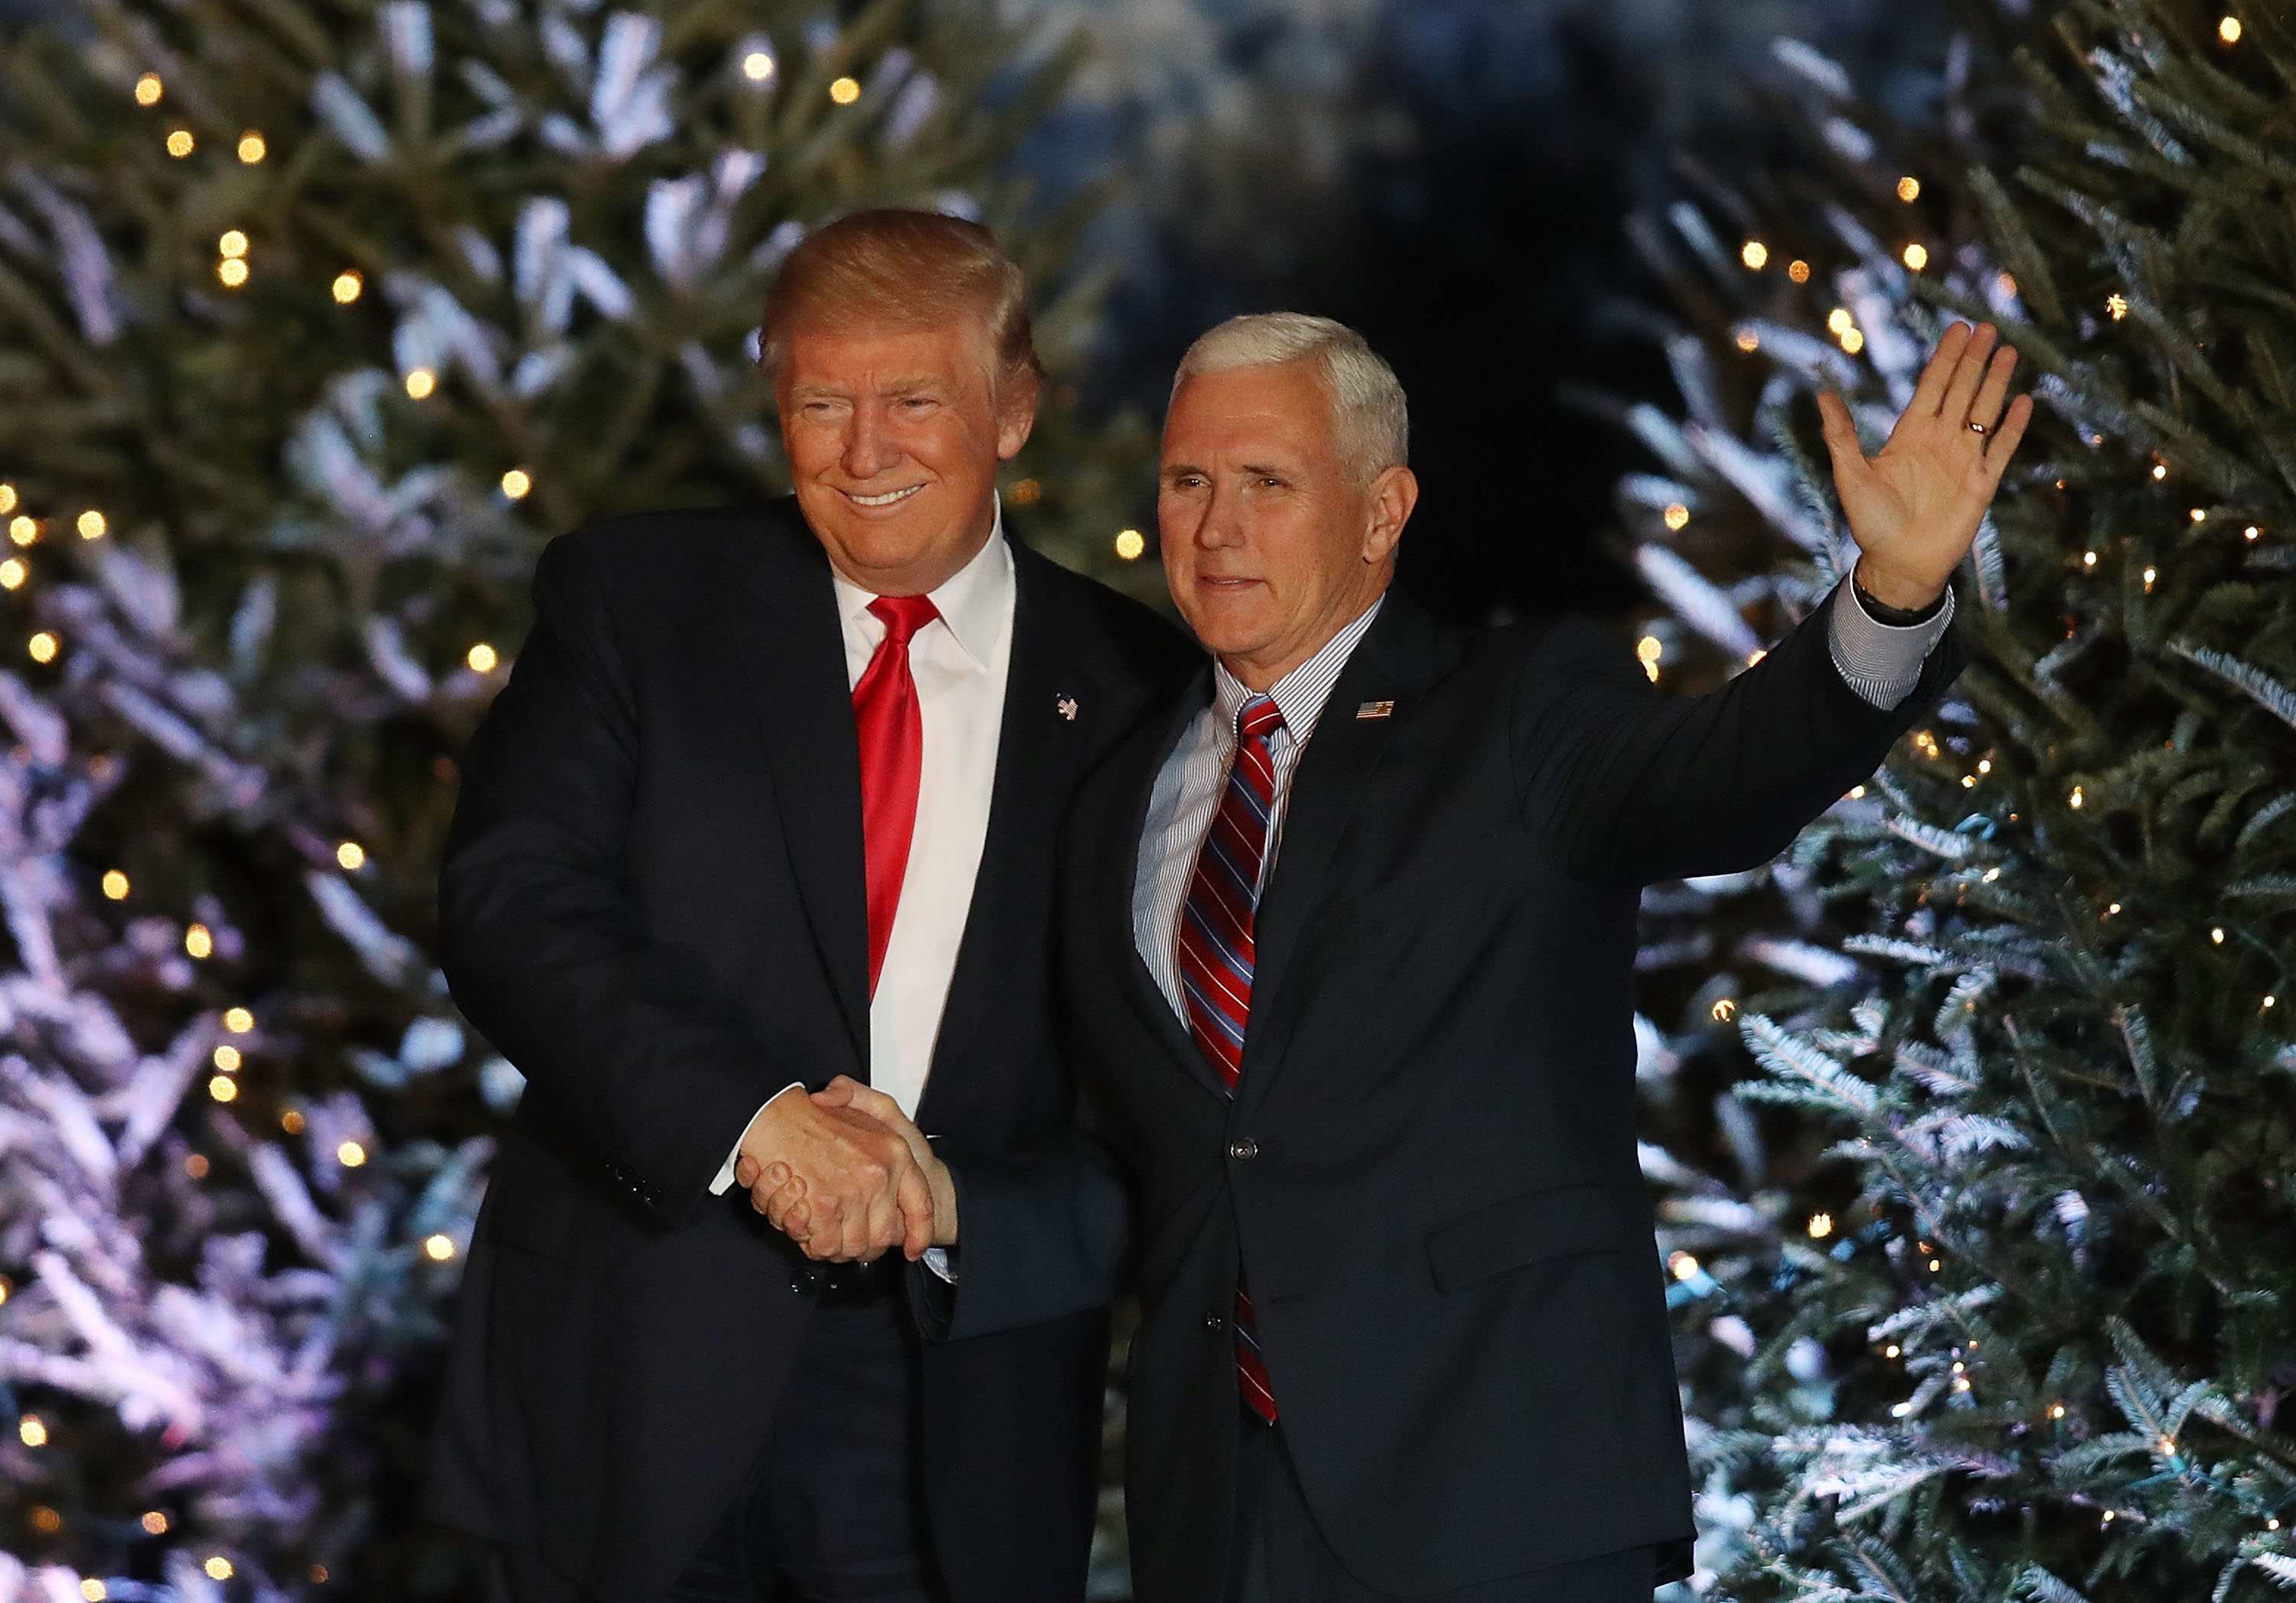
<point>1376,710</point>
<point>1066,706</point>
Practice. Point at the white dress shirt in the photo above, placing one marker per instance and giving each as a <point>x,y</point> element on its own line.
<point>1881,663</point>
<point>960,664</point>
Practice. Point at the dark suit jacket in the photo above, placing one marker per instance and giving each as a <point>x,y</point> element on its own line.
<point>652,904</point>
<point>1429,1171</point>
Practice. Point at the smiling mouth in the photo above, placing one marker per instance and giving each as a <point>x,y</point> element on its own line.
<point>887,499</point>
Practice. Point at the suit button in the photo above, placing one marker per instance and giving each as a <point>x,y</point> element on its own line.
<point>1213,1321</point>
<point>1244,1150</point>
<point>805,1281</point>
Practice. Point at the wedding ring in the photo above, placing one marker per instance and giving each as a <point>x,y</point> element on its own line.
<point>1977,428</point>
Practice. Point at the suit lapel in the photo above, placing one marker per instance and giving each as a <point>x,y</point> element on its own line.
<point>785,628</point>
<point>1402,652</point>
<point>1137,785</point>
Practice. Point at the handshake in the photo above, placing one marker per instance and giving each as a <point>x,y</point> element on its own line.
<point>846,1175</point>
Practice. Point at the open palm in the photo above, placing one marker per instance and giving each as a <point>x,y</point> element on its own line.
<point>1915,507</point>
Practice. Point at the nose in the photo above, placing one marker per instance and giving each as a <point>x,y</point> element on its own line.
<point>870,448</point>
<point>1221,526</point>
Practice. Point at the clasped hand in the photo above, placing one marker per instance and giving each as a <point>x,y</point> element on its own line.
<point>846,1175</point>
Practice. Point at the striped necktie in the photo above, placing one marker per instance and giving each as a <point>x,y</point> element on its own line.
<point>1215,952</point>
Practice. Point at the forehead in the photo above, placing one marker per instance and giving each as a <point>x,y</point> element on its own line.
<point>1275,411</point>
<point>865,356</point>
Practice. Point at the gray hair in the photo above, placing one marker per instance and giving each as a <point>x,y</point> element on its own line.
<point>1371,425</point>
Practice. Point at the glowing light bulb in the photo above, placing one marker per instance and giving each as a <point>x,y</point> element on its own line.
<point>233,243</point>
<point>252,148</point>
<point>31,1431</point>
<point>233,271</point>
<point>218,1568</point>
<point>845,91</point>
<point>42,646</point>
<point>2003,285</point>
<point>149,89</point>
<point>1755,254</point>
<point>1676,515</point>
<point>196,1166</point>
<point>2217,936</point>
<point>2089,559</point>
<point>199,941</point>
<point>420,382</point>
<point>2117,304</point>
<point>516,483</point>
<point>2250,532</point>
<point>2150,575</point>
<point>438,1249</point>
<point>93,1590</point>
<point>1821,1226</point>
<point>1853,342</point>
<point>1838,321</point>
<point>226,1058</point>
<point>2228,30</point>
<point>12,574</point>
<point>1799,271</point>
<point>2200,514</point>
<point>91,525</point>
<point>180,143</point>
<point>115,886</point>
<point>481,658</point>
<point>1131,543</point>
<point>2160,470</point>
<point>7,497</point>
<point>223,1087</point>
<point>1748,340</point>
<point>758,66</point>
<point>2056,1411</point>
<point>346,287</point>
<point>22,530</point>
<point>2074,801</point>
<point>1917,256</point>
<point>1683,1266</point>
<point>239,1021</point>
<point>1909,188</point>
<point>350,1155</point>
<point>1723,1011</point>
<point>351,856</point>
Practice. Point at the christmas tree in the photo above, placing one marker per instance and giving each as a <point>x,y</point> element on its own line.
<point>1999,1307</point>
<point>315,321</point>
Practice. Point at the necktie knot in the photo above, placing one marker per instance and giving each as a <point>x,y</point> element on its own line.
<point>1258,719</point>
<point>903,616</point>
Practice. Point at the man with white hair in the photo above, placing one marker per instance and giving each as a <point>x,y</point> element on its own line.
<point>1349,941</point>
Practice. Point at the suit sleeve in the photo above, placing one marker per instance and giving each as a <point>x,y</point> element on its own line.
<point>1040,1236</point>
<point>1631,785</point>
<point>539,941</point>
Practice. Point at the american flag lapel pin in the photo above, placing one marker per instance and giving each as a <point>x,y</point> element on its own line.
<point>1066,706</point>
<point>1376,710</point>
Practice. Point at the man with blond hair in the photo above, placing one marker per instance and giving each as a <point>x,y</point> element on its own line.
<point>770,801</point>
<point>1348,942</point>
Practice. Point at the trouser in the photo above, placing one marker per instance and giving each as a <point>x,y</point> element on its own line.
<point>832,1509</point>
<point>1280,1556</point>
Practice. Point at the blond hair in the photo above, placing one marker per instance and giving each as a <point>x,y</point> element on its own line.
<point>1371,424</point>
<point>903,269</point>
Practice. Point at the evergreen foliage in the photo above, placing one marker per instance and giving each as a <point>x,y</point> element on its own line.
<point>2001,1307</point>
<point>316,318</point>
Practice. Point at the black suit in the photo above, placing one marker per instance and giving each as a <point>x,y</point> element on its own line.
<point>652,904</point>
<point>1428,1171</point>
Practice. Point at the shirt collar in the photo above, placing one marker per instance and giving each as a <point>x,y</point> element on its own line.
<point>1300,695</point>
<point>973,602</point>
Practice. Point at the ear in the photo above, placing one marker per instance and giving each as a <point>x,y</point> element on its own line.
<point>1389,499</point>
<point>1016,413</point>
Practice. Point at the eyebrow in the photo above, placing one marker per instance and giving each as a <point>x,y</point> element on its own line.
<point>911,385</point>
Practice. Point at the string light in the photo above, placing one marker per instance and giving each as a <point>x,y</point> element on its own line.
<point>12,574</point>
<point>155,1524</point>
<point>115,886</point>
<point>420,382</point>
<point>196,1166</point>
<point>7,497</point>
<point>2250,532</point>
<point>1856,793</point>
<point>2160,470</point>
<point>91,524</point>
<point>233,243</point>
<point>218,1568</point>
<point>199,941</point>
<point>1026,492</point>
<point>1799,271</point>
<point>1676,515</point>
<point>1909,188</point>
<point>758,66</point>
<point>1838,321</point>
<point>42,646</point>
<point>351,855</point>
<point>31,1431</point>
<point>1853,342</point>
<point>1748,340</point>
<point>2089,559</point>
<point>318,1574</point>
<point>1890,1351</point>
<point>226,1058</point>
<point>2056,1411</point>
<point>223,1087</point>
<point>2270,1002</point>
<point>350,1155</point>
<point>2111,909</point>
<point>516,483</point>
<point>346,287</point>
<point>845,91</point>
<point>149,89</point>
<point>481,658</point>
<point>1821,1226</point>
<point>2004,285</point>
<point>2074,801</point>
<point>1683,1266</point>
<point>291,1121</point>
<point>1917,256</point>
<point>2228,30</point>
<point>1723,1010</point>
<point>2117,304</point>
<point>1131,543</point>
<point>2215,936</point>
<point>2150,575</point>
<point>23,531</point>
<point>438,1249</point>
<point>2200,514</point>
<point>233,271</point>
<point>1648,650</point>
<point>239,1021</point>
<point>1755,254</point>
<point>93,1590</point>
<point>180,143</point>
<point>252,148</point>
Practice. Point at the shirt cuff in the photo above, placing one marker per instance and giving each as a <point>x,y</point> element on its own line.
<point>1881,662</point>
<point>937,1259</point>
<point>725,1180</point>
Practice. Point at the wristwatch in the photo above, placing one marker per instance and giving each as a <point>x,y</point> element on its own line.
<point>1896,617</point>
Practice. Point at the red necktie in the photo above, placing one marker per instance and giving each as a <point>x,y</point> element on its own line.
<point>1215,957</point>
<point>886,717</point>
